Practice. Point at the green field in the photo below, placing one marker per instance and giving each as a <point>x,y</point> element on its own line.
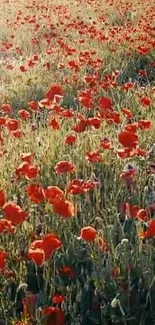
<point>77,162</point>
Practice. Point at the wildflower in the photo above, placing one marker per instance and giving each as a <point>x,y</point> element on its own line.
<point>7,108</point>
<point>105,103</point>
<point>35,193</point>
<point>95,122</point>
<point>70,139</point>
<point>2,198</point>
<point>14,213</point>
<point>64,208</point>
<point>145,101</point>
<point>6,226</point>
<point>88,234</point>
<point>3,256</point>
<point>67,271</point>
<point>54,315</point>
<point>93,156</point>
<point>24,115</point>
<point>54,90</point>
<point>144,124</point>
<point>58,299</point>
<point>37,255</point>
<point>33,106</point>
<point>54,124</point>
<point>80,126</point>
<point>128,139</point>
<point>142,215</point>
<point>50,243</point>
<point>54,194</point>
<point>65,167</point>
<point>12,124</point>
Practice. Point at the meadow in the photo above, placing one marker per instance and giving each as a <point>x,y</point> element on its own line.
<point>77,162</point>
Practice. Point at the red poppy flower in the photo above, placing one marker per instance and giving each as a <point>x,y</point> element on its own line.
<point>47,65</point>
<point>85,99</point>
<point>12,124</point>
<point>34,106</point>
<point>22,68</point>
<point>132,210</point>
<point>6,108</point>
<point>88,234</point>
<point>58,299</point>
<point>14,213</point>
<point>2,121</point>
<point>124,153</point>
<point>103,246</point>
<point>142,73</point>
<point>144,124</point>
<point>65,209</point>
<point>35,193</point>
<point>105,103</point>
<point>128,85</point>
<point>128,174</point>
<point>150,233</point>
<point>133,127</point>
<point>90,185</point>
<point>2,198</point>
<point>37,255</point>
<point>48,310</point>
<point>94,156</point>
<point>142,215</point>
<point>79,186</point>
<point>54,90</point>
<point>140,152</point>
<point>25,115</point>
<point>55,316</point>
<point>54,194</point>
<point>30,63</point>
<point>80,126</point>
<point>70,139</point>
<point>50,243</point>
<point>57,109</point>
<point>32,172</point>
<point>3,256</point>
<point>54,124</point>
<point>145,101</point>
<point>45,103</point>
<point>127,113</point>
<point>128,139</point>
<point>6,226</point>
<point>22,168</point>
<point>95,122</point>
<point>76,186</point>
<point>65,167</point>
<point>35,57</point>
<point>67,272</point>
<point>17,133</point>
<point>67,113</point>
<point>74,65</point>
<point>105,143</point>
<point>26,169</point>
<point>28,157</point>
<point>143,50</point>
<point>38,243</point>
